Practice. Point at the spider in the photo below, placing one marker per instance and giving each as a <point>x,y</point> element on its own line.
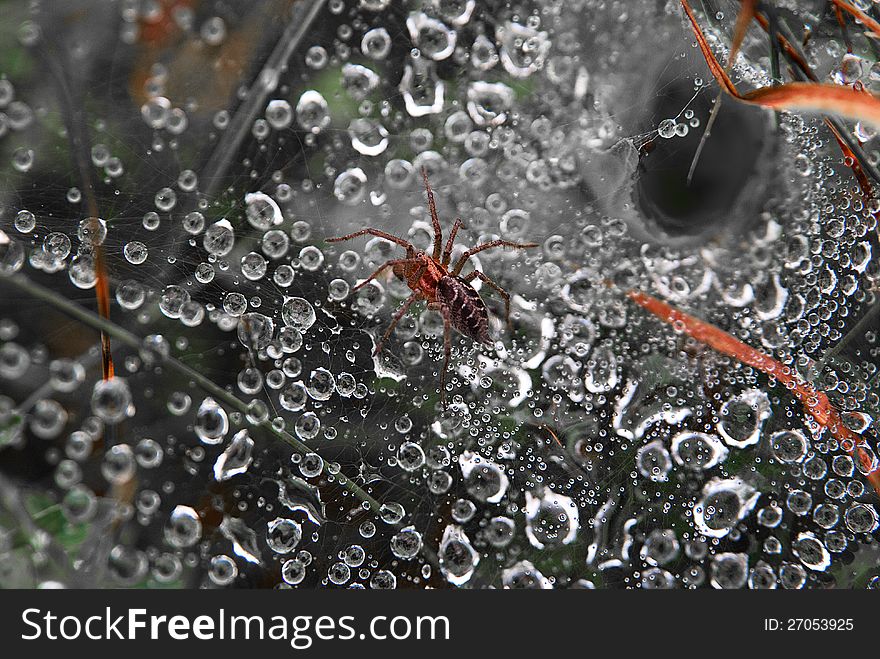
<point>430,278</point>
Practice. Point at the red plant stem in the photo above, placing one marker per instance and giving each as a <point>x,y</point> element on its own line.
<point>102,294</point>
<point>842,23</point>
<point>866,20</point>
<point>813,96</point>
<point>748,12</point>
<point>102,280</point>
<point>815,402</point>
<point>552,434</point>
<point>850,159</point>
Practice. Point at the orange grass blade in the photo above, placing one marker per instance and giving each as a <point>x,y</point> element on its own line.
<point>866,20</point>
<point>818,97</point>
<point>815,402</point>
<point>806,96</point>
<point>848,154</point>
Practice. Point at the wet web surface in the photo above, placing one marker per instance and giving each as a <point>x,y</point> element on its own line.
<point>200,154</point>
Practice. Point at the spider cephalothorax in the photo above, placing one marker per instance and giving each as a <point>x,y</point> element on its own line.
<point>430,278</point>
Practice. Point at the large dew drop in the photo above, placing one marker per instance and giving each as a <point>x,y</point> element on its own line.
<point>212,423</point>
<point>458,558</point>
<point>111,400</point>
<point>236,458</point>
<point>484,480</point>
<point>552,519</point>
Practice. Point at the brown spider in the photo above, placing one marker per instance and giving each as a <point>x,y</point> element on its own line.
<point>430,278</point>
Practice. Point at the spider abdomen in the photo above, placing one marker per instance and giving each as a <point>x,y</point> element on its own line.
<point>465,309</point>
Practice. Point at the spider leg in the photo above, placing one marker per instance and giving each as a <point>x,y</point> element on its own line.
<point>489,245</point>
<point>374,232</point>
<point>387,264</point>
<point>415,297</point>
<point>491,284</point>
<point>435,221</point>
<point>447,251</point>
